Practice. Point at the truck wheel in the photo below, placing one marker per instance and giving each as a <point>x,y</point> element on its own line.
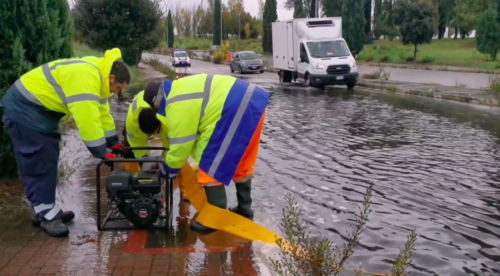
<point>307,81</point>
<point>351,85</point>
<point>285,76</point>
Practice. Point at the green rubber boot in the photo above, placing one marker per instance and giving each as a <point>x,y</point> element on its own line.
<point>244,207</point>
<point>217,197</point>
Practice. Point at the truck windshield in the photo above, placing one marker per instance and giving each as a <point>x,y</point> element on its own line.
<point>248,56</point>
<point>326,49</point>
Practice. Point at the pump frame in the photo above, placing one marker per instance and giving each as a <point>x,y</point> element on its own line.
<point>114,220</point>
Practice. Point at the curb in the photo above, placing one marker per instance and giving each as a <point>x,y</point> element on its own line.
<point>430,94</point>
<point>442,68</point>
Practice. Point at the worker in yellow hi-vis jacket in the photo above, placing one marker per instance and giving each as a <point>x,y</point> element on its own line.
<point>33,107</point>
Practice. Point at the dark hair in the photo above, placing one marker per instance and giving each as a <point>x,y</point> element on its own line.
<point>148,123</point>
<point>151,92</point>
<point>120,71</point>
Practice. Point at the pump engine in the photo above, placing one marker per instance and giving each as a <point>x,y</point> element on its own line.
<point>138,198</point>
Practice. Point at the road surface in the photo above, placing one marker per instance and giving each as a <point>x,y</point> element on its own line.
<point>446,78</point>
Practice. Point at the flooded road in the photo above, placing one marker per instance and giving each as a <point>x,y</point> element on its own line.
<point>433,166</point>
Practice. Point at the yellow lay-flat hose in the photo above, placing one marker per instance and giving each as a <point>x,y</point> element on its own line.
<point>224,220</point>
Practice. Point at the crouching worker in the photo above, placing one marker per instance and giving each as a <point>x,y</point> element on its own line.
<point>134,137</point>
<point>33,108</point>
<point>218,120</point>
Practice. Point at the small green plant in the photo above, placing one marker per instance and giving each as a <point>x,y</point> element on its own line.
<point>392,89</point>
<point>494,85</point>
<point>159,66</point>
<point>304,256</point>
<point>426,59</point>
<point>497,65</point>
<point>409,59</point>
<point>380,73</point>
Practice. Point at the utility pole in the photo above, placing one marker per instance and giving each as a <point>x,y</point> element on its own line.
<point>239,25</point>
<point>221,23</point>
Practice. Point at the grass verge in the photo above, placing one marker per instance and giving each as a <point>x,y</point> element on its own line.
<point>461,53</point>
<point>205,44</point>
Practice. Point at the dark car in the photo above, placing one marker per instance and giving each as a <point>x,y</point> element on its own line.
<point>246,61</point>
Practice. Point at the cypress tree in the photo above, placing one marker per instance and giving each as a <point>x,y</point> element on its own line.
<point>333,8</point>
<point>217,37</point>
<point>270,16</point>
<point>33,32</point>
<point>170,30</point>
<point>368,16</point>
<point>353,24</point>
<point>298,11</point>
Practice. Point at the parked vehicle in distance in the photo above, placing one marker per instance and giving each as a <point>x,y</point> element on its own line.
<point>181,58</point>
<point>246,61</point>
<point>313,50</point>
<point>213,49</point>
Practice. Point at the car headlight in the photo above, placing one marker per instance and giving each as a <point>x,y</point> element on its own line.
<point>318,66</point>
<point>243,63</point>
<point>353,64</point>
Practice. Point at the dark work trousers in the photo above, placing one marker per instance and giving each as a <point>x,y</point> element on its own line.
<point>37,155</point>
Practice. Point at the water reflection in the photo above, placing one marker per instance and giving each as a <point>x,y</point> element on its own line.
<point>433,166</point>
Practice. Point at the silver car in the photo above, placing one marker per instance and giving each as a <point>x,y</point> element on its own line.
<point>246,61</point>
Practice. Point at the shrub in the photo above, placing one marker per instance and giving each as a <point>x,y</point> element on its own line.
<point>302,255</point>
<point>409,59</point>
<point>426,59</point>
<point>384,58</point>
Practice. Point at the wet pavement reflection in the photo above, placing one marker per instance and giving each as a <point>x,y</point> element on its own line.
<point>433,166</point>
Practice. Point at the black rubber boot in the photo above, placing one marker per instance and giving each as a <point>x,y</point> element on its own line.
<point>66,217</point>
<point>55,228</point>
<point>243,194</point>
<point>217,197</point>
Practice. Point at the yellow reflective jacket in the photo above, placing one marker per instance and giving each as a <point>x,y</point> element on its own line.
<point>78,87</point>
<point>211,118</point>
<point>135,137</point>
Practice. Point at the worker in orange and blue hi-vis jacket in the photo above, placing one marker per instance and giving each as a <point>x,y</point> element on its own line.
<point>33,108</point>
<point>218,120</point>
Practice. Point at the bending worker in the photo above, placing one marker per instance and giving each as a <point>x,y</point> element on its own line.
<point>33,108</point>
<point>218,120</point>
<point>134,137</point>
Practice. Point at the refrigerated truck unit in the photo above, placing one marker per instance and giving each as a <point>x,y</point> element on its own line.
<point>313,50</point>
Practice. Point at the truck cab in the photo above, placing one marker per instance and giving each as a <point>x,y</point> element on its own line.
<point>312,50</point>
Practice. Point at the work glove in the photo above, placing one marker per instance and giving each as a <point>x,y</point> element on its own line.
<point>109,156</point>
<point>118,149</point>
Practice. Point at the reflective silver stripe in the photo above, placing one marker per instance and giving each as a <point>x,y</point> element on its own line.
<point>182,140</point>
<point>20,86</point>
<point>95,143</point>
<point>47,72</point>
<point>82,98</point>
<point>232,129</point>
<point>110,133</point>
<point>134,106</point>
<point>104,101</point>
<point>160,95</point>
<point>215,184</point>
<point>42,207</point>
<point>206,95</point>
<point>187,97</point>
<point>130,136</point>
<point>53,213</point>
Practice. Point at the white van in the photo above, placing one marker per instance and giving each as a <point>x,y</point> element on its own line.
<point>313,50</point>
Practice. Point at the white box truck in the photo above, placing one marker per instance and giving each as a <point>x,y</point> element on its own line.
<point>313,50</point>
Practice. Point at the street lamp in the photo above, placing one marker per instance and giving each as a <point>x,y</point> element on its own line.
<point>221,23</point>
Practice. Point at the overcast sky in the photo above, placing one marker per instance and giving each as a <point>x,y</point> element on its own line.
<point>251,6</point>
